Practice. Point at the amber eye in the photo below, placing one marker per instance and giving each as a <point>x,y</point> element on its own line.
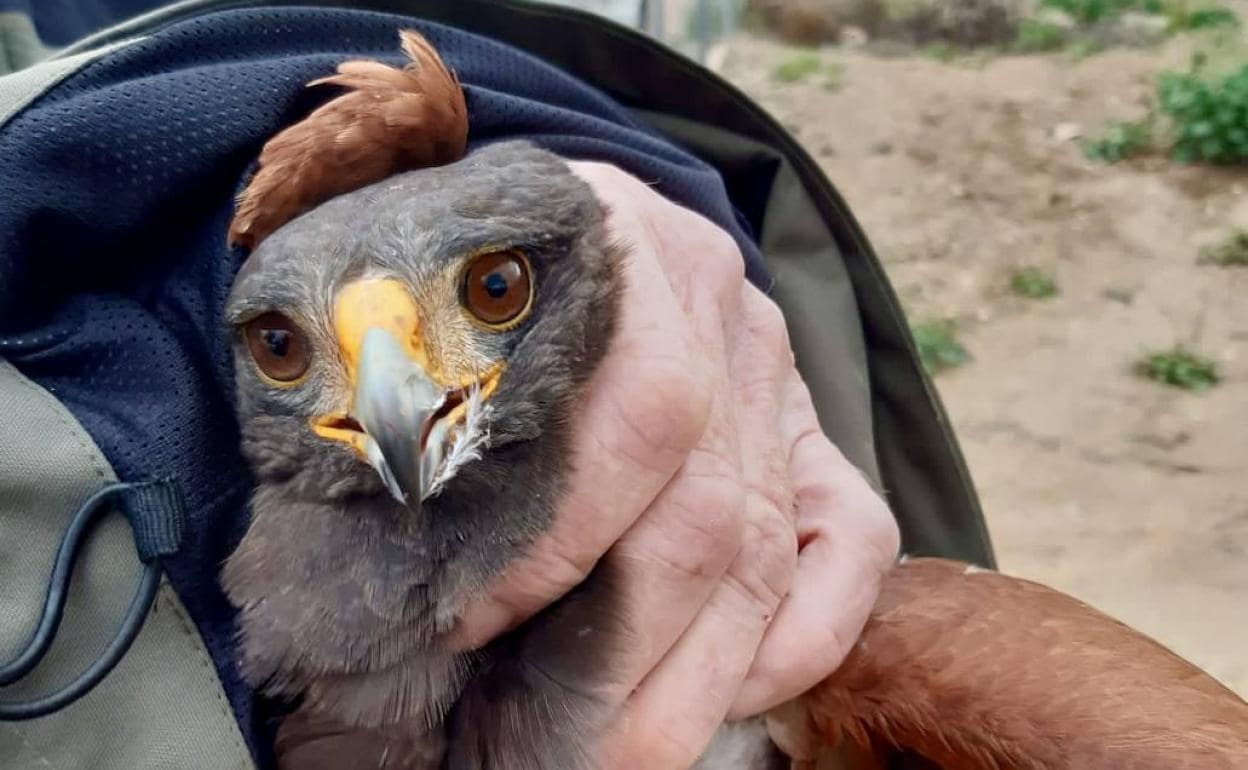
<point>498,287</point>
<point>279,347</point>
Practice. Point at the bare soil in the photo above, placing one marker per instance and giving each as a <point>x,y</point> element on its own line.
<point>1128,494</point>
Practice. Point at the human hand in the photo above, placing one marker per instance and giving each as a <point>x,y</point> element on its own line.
<point>748,549</point>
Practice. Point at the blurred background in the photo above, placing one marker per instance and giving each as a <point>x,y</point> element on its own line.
<point>1058,190</point>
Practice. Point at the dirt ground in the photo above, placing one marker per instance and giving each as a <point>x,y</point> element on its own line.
<point>1126,493</point>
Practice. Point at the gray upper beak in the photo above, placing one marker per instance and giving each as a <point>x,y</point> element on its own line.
<point>396,404</point>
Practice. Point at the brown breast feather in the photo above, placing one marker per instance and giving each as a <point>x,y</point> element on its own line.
<point>390,120</point>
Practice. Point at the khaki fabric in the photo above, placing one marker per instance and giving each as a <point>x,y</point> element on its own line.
<point>19,42</point>
<point>162,707</point>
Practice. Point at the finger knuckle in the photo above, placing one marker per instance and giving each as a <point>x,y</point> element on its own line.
<point>723,248</point>
<point>717,260</point>
<point>702,529</point>
<point>667,409</point>
<point>883,536</point>
<point>854,502</point>
<point>767,323</point>
<point>598,173</point>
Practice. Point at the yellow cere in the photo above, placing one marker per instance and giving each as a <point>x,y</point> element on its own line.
<point>387,304</point>
<point>378,303</point>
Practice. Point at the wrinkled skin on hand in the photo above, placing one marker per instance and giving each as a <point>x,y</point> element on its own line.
<point>746,551</point>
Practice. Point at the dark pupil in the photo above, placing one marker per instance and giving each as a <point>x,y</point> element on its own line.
<point>277,340</point>
<point>496,285</point>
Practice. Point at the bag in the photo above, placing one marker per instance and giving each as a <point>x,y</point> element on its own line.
<point>119,160</point>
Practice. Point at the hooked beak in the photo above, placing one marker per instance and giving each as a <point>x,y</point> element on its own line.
<point>396,404</point>
<point>402,421</point>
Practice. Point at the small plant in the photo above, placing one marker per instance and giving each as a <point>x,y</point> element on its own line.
<point>1085,46</point>
<point>1036,36</point>
<point>1183,18</point>
<point>940,51</point>
<point>1033,283</point>
<point>1209,115</point>
<point>938,346</point>
<point>1230,252</point>
<point>798,66</point>
<point>833,76</point>
<point>899,10</point>
<point>1123,139</point>
<point>1119,294</point>
<point>1180,368</point>
<point>1180,15</point>
<point>1092,11</point>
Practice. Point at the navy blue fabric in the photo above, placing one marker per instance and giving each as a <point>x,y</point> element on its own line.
<point>117,189</point>
<point>60,22</point>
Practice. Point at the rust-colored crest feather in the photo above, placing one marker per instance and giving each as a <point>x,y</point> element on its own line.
<point>390,120</point>
<point>979,671</point>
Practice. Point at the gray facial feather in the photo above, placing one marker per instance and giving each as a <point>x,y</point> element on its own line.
<point>344,595</point>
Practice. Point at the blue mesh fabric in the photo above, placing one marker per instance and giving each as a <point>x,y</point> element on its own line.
<point>115,195</point>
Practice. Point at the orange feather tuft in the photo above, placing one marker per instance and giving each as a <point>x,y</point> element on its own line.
<point>390,120</point>
<point>978,671</point>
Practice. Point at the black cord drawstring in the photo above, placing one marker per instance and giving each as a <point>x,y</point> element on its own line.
<point>155,512</point>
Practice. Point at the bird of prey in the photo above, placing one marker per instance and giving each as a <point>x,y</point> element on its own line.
<point>407,357</point>
<point>409,347</point>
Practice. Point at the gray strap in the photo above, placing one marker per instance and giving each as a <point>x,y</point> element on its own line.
<point>163,706</point>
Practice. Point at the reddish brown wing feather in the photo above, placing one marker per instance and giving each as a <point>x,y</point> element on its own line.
<point>979,671</point>
<point>390,120</point>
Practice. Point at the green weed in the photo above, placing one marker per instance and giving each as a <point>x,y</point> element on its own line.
<point>798,66</point>
<point>1230,252</point>
<point>1035,36</point>
<point>1092,11</point>
<point>938,346</point>
<point>1209,114</point>
<point>1122,139</point>
<point>900,10</point>
<point>834,76</point>
<point>1033,283</point>
<point>1182,17</point>
<point>1180,368</point>
<point>940,51</point>
<point>1119,294</point>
